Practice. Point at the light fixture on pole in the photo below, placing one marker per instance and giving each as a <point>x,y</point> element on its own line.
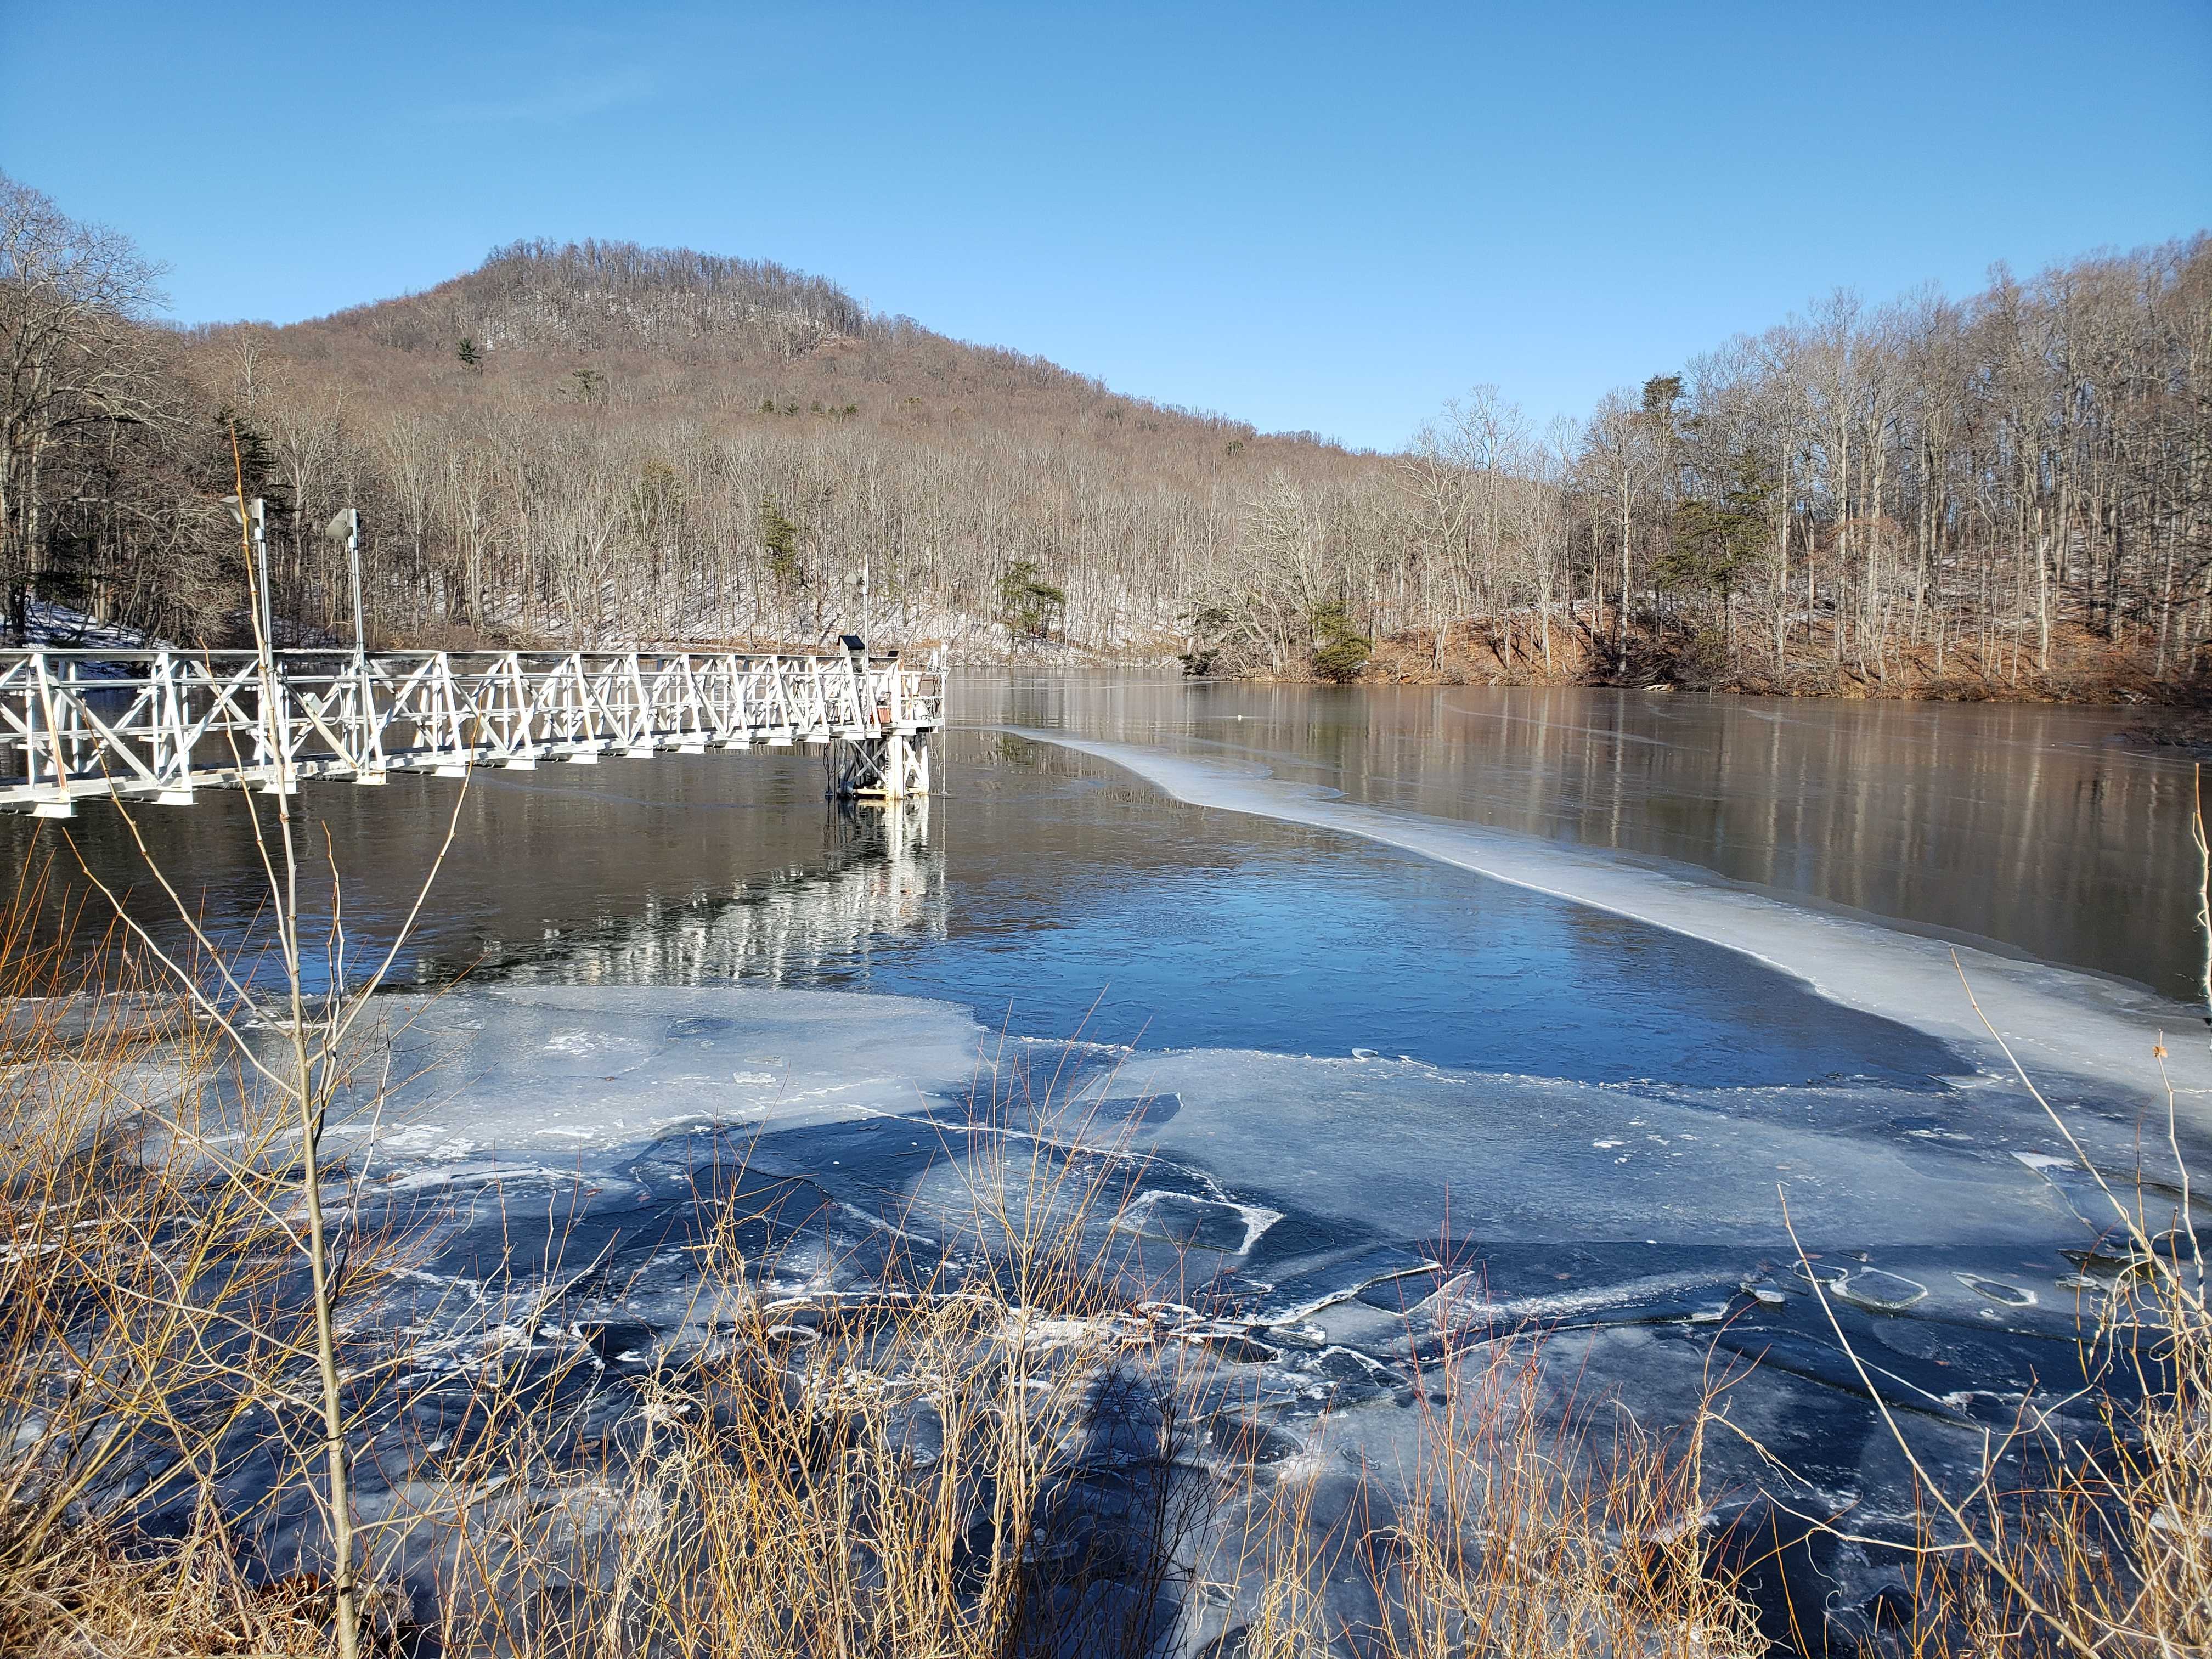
<point>254,516</point>
<point>269,737</point>
<point>345,529</point>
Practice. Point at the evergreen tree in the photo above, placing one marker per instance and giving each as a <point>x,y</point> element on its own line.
<point>1343,650</point>
<point>778,540</point>
<point>1028,604</point>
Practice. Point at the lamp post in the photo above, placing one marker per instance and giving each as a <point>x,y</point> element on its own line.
<point>253,515</point>
<point>345,527</point>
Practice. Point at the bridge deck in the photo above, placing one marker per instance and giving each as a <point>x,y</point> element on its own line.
<point>161,724</point>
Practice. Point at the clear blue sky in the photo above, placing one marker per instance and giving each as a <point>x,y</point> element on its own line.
<point>1305,216</point>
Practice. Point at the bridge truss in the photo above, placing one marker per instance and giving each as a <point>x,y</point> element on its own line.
<point>161,724</point>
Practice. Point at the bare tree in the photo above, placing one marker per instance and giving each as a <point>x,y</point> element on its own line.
<point>72,357</point>
<point>1997,489</point>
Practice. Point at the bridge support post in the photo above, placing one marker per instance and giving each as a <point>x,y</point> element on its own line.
<point>888,768</point>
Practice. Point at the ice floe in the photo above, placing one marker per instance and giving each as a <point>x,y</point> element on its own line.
<point>2074,1028</point>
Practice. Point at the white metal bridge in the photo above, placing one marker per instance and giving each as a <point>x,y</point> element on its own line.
<point>161,724</point>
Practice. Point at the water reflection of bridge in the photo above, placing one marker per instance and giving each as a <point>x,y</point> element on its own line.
<point>880,881</point>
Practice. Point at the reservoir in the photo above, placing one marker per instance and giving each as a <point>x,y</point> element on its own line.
<point>1386,1020</point>
<point>1041,879</point>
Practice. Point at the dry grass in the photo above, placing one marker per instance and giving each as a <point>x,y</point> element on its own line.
<point>2098,1545</point>
<point>886,1469</point>
<point>1518,1532</point>
<point>153,1321</point>
<point>2062,1545</point>
<point>960,1475</point>
<point>89,1593</point>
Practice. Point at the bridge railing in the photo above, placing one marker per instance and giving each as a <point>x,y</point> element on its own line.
<point>161,722</point>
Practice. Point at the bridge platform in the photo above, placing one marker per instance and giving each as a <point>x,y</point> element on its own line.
<point>162,725</point>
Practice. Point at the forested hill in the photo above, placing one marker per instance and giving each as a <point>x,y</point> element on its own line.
<point>2009,493</point>
<point>662,312</point>
<point>601,442</point>
<point>601,297</point>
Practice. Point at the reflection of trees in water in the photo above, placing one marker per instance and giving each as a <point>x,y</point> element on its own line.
<point>2022,822</point>
<point>880,878</point>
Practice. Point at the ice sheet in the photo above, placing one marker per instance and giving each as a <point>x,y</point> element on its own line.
<point>1282,1162</point>
<point>580,1077</point>
<point>2087,1035</point>
<point>1395,1150</point>
<point>1306,1232</point>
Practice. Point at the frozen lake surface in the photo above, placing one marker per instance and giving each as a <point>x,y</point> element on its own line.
<point>1393,1016</point>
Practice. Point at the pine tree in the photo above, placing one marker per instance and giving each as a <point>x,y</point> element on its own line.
<point>1343,650</point>
<point>778,540</point>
